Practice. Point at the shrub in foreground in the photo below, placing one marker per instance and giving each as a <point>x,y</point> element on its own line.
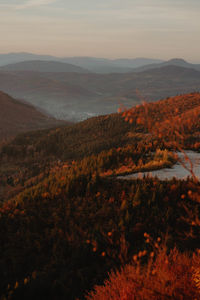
<point>164,276</point>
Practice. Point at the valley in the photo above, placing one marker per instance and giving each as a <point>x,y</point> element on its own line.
<point>75,96</point>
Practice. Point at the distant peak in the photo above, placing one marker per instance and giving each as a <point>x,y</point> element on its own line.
<point>177,60</point>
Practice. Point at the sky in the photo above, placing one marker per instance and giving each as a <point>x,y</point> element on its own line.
<point>102,28</point>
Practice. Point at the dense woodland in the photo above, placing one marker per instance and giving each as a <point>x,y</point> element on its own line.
<point>67,221</point>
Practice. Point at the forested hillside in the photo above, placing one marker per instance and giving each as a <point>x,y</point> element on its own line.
<point>66,220</point>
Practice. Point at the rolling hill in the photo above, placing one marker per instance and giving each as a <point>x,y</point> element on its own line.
<point>57,98</point>
<point>16,117</point>
<point>12,58</point>
<point>172,62</point>
<point>76,96</point>
<point>97,65</point>
<point>102,65</point>
<point>43,66</point>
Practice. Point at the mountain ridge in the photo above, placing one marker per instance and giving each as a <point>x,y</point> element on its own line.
<point>93,64</point>
<point>43,66</point>
<point>77,96</point>
<point>174,61</point>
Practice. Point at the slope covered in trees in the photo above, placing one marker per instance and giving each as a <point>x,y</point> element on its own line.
<point>105,132</point>
<point>66,223</point>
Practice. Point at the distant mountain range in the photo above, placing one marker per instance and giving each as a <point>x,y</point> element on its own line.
<point>47,63</point>
<point>101,65</point>
<point>43,66</point>
<point>12,58</point>
<point>67,89</point>
<point>97,65</point>
<point>16,117</point>
<point>78,96</point>
<point>172,62</point>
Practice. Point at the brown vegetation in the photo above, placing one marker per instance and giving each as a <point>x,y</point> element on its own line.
<point>174,122</point>
<point>67,227</point>
<point>172,275</point>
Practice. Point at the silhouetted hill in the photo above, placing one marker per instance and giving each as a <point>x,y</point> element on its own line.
<point>172,62</point>
<point>102,65</point>
<point>16,117</point>
<point>12,58</point>
<point>97,65</point>
<point>43,66</point>
<point>136,62</point>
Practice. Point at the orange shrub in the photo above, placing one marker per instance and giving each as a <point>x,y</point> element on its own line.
<point>168,276</point>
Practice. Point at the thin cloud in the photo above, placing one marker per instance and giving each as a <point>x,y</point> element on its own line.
<point>28,4</point>
<point>35,3</point>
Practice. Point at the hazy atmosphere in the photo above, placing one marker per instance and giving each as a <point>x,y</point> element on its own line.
<point>108,28</point>
<point>100,149</point>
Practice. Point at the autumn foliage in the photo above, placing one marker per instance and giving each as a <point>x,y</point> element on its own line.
<point>172,275</point>
<point>67,221</point>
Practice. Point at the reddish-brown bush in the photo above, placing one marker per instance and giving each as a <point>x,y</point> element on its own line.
<point>166,276</point>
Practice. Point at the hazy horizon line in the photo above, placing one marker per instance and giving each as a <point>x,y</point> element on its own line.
<point>98,57</point>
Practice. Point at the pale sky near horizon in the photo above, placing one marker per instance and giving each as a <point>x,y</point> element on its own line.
<point>107,28</point>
